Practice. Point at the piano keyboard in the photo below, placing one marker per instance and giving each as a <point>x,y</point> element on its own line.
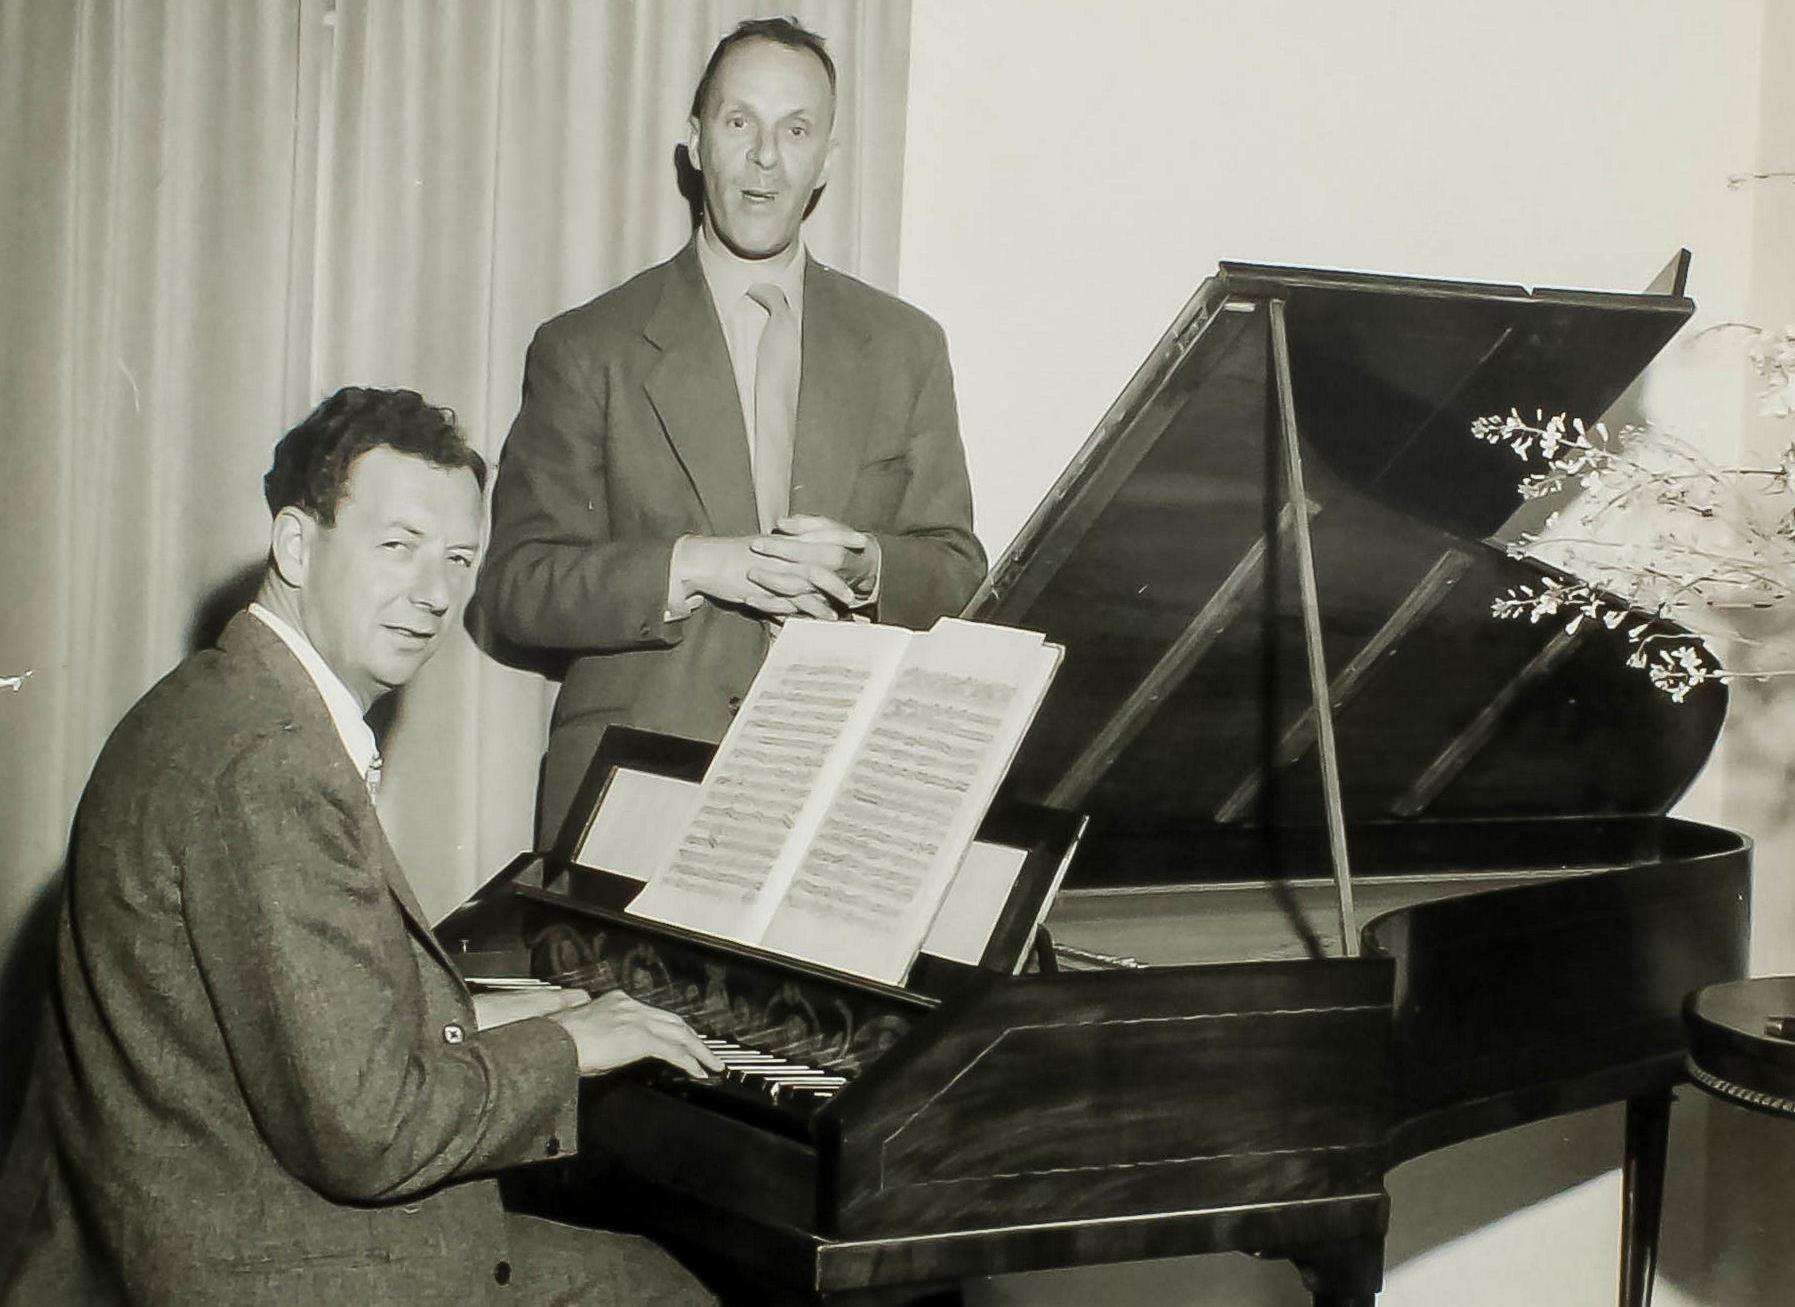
<point>779,1079</point>
<point>782,1057</point>
<point>764,1069</point>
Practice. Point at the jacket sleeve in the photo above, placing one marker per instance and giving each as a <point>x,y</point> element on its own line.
<point>554,577</point>
<point>320,996</point>
<point>930,561</point>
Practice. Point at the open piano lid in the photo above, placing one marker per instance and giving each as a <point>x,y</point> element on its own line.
<point>1163,560</point>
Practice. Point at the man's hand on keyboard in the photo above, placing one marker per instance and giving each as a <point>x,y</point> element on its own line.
<point>615,1030</point>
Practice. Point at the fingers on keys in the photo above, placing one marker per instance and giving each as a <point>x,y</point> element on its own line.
<point>660,1034</point>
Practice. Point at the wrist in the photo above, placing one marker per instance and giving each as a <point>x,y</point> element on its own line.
<point>863,579</point>
<point>584,1053</point>
<point>685,589</point>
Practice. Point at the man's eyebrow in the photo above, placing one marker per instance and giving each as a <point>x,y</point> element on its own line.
<point>419,533</point>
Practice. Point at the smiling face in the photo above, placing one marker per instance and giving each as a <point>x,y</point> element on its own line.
<point>762,144</point>
<point>376,591</point>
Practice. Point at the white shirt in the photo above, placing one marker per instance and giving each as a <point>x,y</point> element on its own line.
<point>345,712</point>
<point>729,278</point>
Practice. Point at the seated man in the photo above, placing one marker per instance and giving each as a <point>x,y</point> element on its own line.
<point>264,1082</point>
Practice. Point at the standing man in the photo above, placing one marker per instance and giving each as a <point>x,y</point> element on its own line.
<point>265,1082</point>
<point>730,438</point>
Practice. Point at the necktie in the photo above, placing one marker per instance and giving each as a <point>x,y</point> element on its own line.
<point>374,777</point>
<point>775,404</point>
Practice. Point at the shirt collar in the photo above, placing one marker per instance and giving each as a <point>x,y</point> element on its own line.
<point>730,276</point>
<point>345,712</point>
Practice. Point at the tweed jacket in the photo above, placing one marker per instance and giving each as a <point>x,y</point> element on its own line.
<point>631,435</point>
<point>263,1079</point>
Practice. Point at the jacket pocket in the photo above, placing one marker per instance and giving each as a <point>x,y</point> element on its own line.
<point>878,490</point>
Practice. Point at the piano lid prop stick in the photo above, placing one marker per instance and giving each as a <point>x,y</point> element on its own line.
<point>1318,670</point>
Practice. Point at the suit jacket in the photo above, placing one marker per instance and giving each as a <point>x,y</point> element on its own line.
<point>262,1076</point>
<point>631,435</point>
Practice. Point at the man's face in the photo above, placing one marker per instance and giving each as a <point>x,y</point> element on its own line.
<point>762,145</point>
<point>379,589</point>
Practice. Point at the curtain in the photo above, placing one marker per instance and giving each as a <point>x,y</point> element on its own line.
<point>213,213</point>
<point>149,168</point>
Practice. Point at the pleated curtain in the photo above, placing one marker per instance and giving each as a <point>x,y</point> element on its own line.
<point>213,213</point>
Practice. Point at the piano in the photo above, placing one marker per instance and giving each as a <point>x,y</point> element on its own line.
<point>1366,871</point>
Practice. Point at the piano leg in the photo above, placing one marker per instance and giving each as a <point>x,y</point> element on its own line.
<point>1344,1274</point>
<point>1642,1195</point>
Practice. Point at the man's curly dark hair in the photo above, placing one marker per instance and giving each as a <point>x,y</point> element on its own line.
<point>312,461</point>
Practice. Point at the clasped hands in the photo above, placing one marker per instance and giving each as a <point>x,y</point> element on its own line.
<point>608,1032</point>
<point>808,566</point>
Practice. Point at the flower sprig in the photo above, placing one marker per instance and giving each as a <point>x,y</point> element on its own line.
<point>1719,541</point>
<point>1772,355</point>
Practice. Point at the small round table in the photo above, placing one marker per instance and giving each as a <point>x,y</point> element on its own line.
<point>1742,1042</point>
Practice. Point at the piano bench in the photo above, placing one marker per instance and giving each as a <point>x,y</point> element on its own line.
<point>1742,1042</point>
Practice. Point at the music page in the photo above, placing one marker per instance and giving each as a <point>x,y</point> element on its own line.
<point>635,824</point>
<point>971,907</point>
<point>641,813</point>
<point>914,792</point>
<point>762,797</point>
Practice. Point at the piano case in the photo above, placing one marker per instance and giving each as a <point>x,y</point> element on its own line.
<point>1271,566</point>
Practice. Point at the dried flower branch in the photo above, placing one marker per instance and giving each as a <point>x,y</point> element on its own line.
<point>1721,541</point>
<point>1739,179</point>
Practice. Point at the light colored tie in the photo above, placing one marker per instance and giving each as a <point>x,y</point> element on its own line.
<point>775,404</point>
<point>374,777</point>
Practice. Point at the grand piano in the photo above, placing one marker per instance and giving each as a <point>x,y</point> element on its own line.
<point>1363,872</point>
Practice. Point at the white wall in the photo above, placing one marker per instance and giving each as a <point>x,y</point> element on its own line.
<point>1074,170</point>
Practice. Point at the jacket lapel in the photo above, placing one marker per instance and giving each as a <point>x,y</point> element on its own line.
<point>245,634</point>
<point>834,402</point>
<point>692,388</point>
<point>396,880</point>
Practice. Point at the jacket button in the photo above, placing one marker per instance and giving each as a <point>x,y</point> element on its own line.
<point>553,1145</point>
<point>735,701</point>
<point>453,1034</point>
<point>502,1272</point>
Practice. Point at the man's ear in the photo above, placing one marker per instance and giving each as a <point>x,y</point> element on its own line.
<point>692,133</point>
<point>822,177</point>
<point>290,543</point>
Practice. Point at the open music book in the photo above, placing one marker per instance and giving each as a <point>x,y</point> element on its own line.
<point>845,794</point>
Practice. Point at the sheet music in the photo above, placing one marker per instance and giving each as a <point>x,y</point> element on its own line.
<point>810,703</point>
<point>981,890</point>
<point>641,814</point>
<point>889,842</point>
<point>638,818</point>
